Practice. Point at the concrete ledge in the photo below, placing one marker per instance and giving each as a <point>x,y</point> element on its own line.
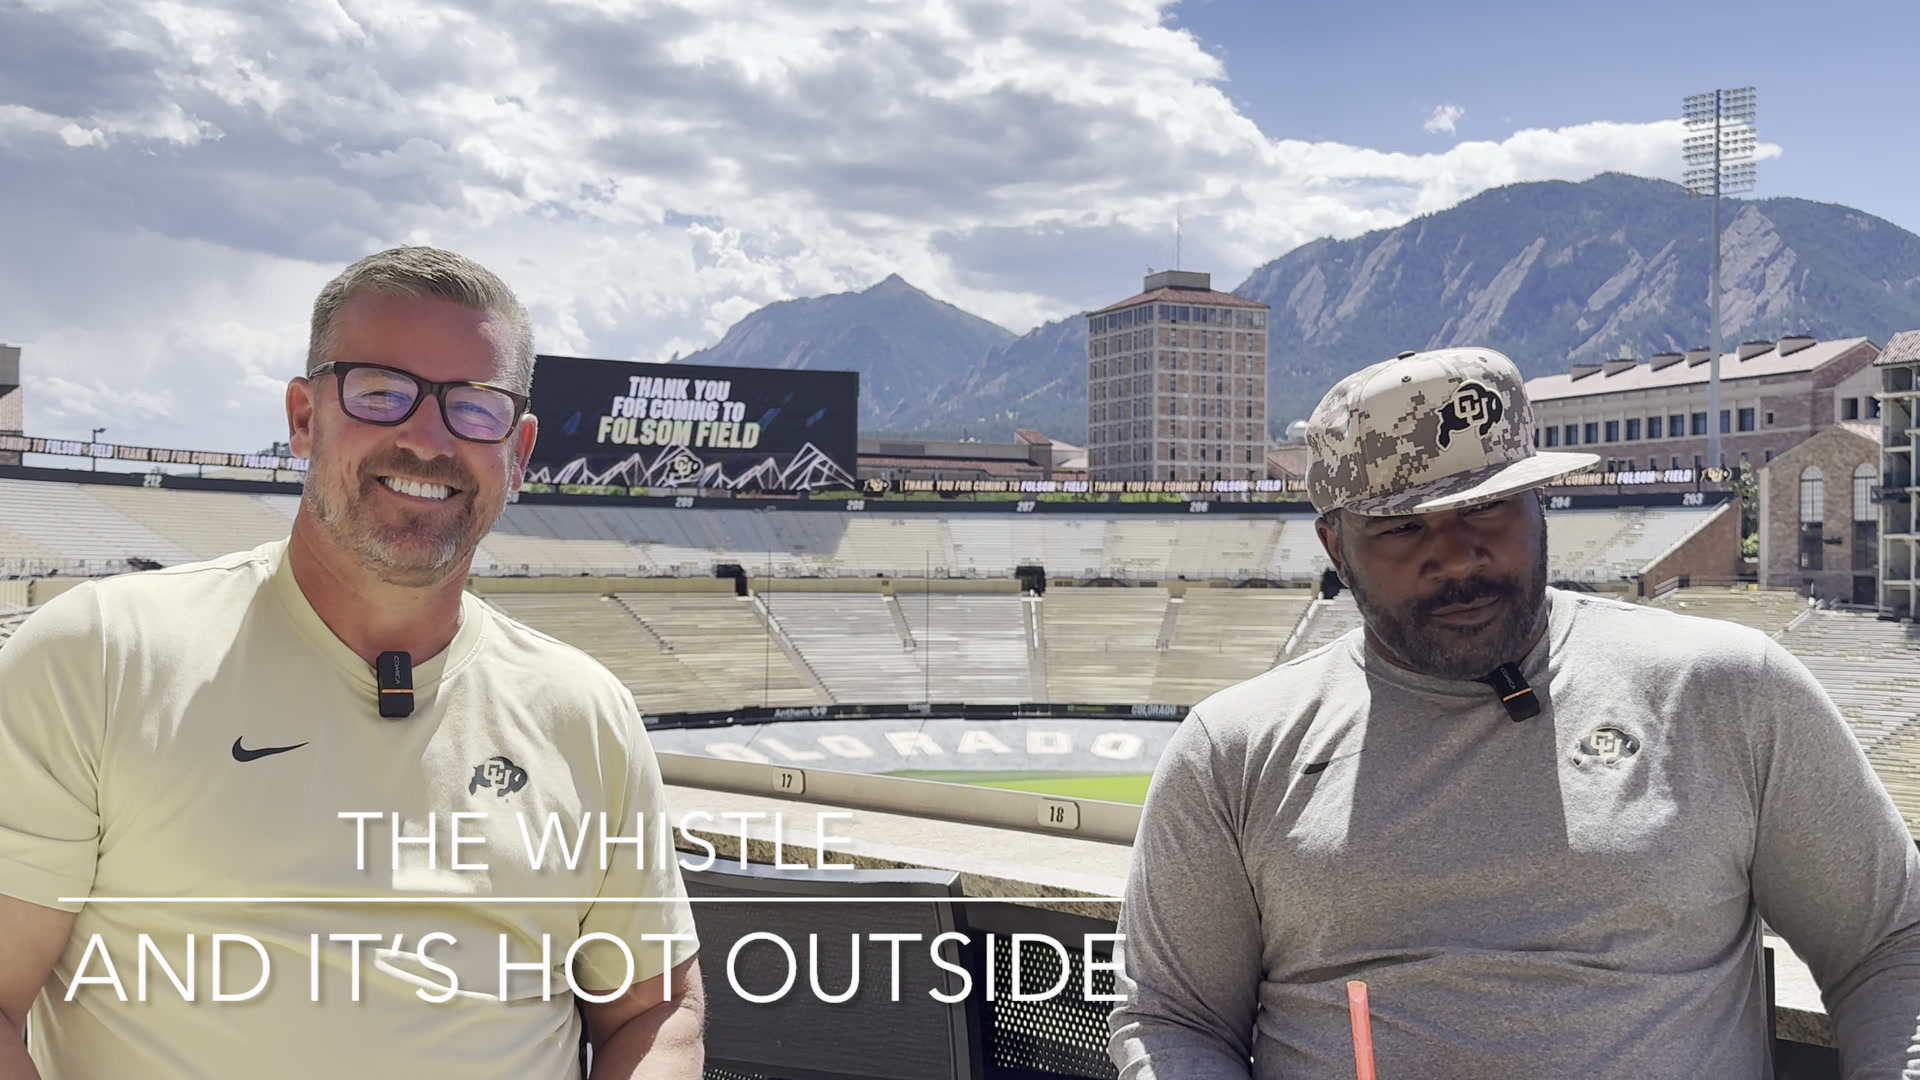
<point>599,586</point>
<point>997,863</point>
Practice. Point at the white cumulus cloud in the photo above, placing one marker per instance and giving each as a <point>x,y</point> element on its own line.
<point>644,173</point>
<point>1442,119</point>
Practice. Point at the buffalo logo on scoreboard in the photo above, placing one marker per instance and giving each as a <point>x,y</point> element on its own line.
<point>683,467</point>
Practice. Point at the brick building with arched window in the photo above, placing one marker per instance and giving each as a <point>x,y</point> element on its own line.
<point>1819,524</point>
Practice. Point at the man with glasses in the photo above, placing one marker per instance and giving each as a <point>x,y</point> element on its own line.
<point>327,747</point>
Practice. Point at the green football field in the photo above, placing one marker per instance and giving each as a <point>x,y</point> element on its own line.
<point>1126,787</point>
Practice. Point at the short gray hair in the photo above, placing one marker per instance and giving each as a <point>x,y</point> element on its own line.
<point>422,272</point>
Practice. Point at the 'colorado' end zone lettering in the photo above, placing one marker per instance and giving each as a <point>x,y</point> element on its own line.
<point>975,743</point>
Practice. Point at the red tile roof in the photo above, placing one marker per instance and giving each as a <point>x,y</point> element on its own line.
<point>1641,376</point>
<point>991,468</point>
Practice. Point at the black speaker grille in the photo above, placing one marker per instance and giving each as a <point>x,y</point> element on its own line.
<point>1062,1036</point>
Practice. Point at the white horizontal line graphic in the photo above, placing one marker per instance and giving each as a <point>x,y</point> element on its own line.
<point>590,899</point>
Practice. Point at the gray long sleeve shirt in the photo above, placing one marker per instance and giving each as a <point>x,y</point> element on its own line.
<point>1575,895</point>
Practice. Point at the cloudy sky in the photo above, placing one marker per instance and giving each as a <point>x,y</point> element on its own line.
<point>178,179</point>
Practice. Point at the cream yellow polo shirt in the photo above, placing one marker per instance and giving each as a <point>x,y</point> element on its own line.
<point>196,733</point>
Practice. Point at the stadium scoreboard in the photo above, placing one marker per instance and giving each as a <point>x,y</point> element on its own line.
<point>612,426</point>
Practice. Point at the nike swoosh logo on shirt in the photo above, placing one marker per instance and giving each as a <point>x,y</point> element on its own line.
<point>241,753</point>
<point>1321,766</point>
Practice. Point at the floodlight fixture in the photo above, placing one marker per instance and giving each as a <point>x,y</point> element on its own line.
<point>1719,152</point>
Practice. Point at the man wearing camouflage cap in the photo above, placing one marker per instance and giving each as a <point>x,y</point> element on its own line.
<point>1543,827</point>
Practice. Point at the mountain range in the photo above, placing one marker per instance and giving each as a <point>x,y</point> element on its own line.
<point>1548,273</point>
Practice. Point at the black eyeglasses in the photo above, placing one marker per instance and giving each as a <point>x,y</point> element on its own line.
<point>375,394</point>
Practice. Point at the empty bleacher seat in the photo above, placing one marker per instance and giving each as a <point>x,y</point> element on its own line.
<point>894,545</point>
<point>970,648</point>
<point>660,680</point>
<point>207,523</point>
<point>1140,547</point>
<point>983,545</point>
<point>1225,636</point>
<point>850,641</point>
<point>1296,554</point>
<point>1072,546</point>
<point>1769,610</point>
<point>1869,667</point>
<point>1611,545</point>
<point>722,640</point>
<point>1326,621</point>
<point>68,521</point>
<point>1102,643</point>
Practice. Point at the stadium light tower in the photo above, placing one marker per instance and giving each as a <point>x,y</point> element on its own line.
<point>1719,156</point>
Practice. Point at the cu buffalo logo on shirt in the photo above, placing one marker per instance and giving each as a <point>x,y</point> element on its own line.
<point>1608,746</point>
<point>1474,405</point>
<point>499,773</point>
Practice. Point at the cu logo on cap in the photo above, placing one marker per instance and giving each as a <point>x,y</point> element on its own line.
<point>1474,405</point>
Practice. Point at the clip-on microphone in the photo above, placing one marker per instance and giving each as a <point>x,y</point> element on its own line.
<point>1521,702</point>
<point>396,684</point>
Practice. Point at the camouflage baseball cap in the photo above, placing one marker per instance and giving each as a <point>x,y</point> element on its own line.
<point>1428,431</point>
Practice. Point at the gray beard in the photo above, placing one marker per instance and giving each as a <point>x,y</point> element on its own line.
<point>395,557</point>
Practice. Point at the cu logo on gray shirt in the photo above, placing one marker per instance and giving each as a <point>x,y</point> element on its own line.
<point>1607,746</point>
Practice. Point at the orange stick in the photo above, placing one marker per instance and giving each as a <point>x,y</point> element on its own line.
<point>1362,1016</point>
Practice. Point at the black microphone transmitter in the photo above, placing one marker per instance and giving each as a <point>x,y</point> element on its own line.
<point>396,684</point>
<point>1515,693</point>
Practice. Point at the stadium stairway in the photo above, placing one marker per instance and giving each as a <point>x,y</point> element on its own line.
<point>1033,630</point>
<point>1325,621</point>
<point>1101,643</point>
<point>10,620</point>
<point>848,640</point>
<point>720,637</point>
<point>969,648</point>
<point>659,680</point>
<point>1295,553</point>
<point>1225,636</point>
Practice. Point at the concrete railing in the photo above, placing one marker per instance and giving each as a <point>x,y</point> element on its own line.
<point>1087,819</point>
